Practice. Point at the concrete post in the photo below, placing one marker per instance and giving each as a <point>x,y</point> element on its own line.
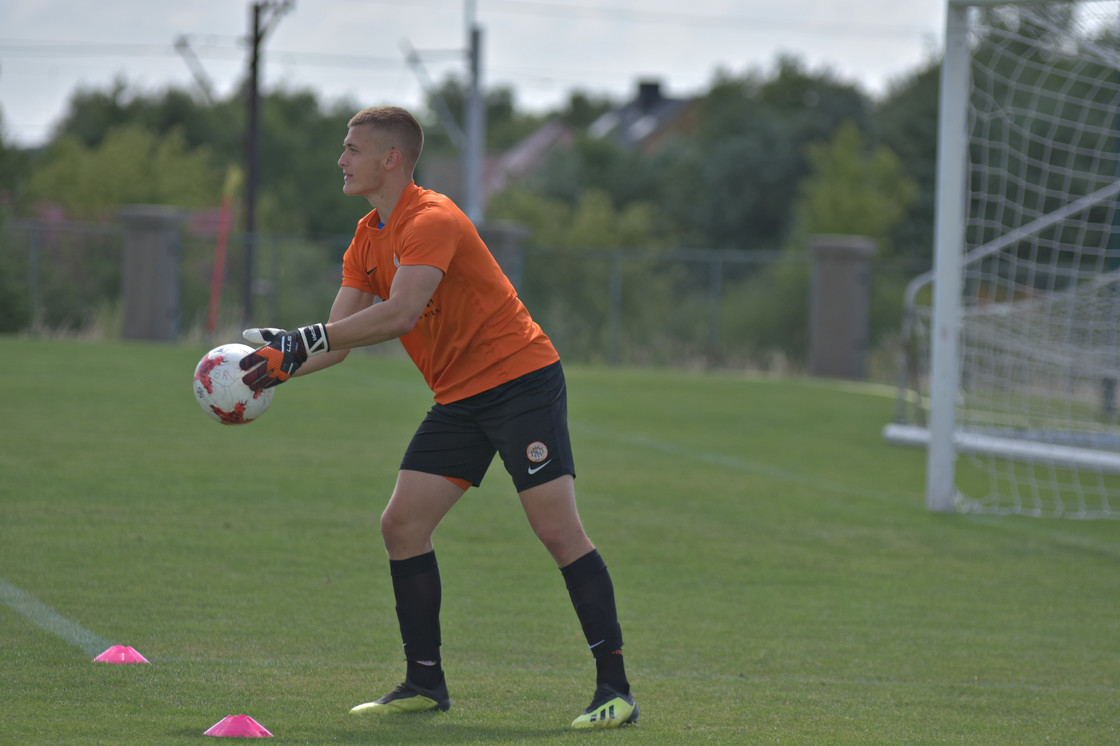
<point>839,321</point>
<point>150,283</point>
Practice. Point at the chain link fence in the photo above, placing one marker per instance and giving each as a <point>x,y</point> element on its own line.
<point>697,308</point>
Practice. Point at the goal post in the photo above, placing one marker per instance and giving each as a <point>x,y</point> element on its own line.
<point>1013,339</point>
<point>952,149</point>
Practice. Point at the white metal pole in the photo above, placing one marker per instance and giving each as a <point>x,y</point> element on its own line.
<point>952,149</point>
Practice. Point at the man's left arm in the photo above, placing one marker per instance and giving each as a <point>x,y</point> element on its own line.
<point>285,352</point>
<point>413,286</point>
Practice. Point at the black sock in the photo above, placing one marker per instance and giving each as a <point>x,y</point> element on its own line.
<point>417,589</point>
<point>420,674</point>
<point>592,593</point>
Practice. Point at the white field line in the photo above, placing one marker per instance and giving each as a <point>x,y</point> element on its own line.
<point>43,616</point>
<point>738,464</point>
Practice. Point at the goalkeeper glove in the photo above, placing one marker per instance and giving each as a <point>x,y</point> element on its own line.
<point>282,354</point>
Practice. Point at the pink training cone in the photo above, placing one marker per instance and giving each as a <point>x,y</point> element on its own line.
<point>120,654</point>
<point>238,726</point>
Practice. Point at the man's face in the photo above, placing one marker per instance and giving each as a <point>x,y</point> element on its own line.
<point>362,162</point>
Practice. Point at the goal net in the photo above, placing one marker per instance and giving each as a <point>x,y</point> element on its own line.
<point>1013,340</point>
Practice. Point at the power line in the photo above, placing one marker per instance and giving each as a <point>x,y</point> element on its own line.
<point>11,48</point>
<point>683,18</point>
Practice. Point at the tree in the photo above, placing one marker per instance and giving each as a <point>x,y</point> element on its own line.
<point>300,187</point>
<point>505,126</point>
<point>299,141</point>
<point>813,104</point>
<point>583,109</point>
<point>732,184</point>
<point>853,191</point>
<point>906,123</point>
<point>731,180</point>
<point>15,169</point>
<point>850,189</point>
<point>728,180</point>
<point>129,166</point>
<point>591,163</point>
<point>725,187</point>
<point>568,276</point>
<point>91,113</point>
<point>592,223</point>
<point>14,313</point>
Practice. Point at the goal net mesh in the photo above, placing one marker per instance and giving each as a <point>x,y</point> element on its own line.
<point>1039,346</point>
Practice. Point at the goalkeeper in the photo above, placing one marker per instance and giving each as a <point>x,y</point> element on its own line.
<point>499,388</point>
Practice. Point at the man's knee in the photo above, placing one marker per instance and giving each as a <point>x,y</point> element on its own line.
<point>394,525</point>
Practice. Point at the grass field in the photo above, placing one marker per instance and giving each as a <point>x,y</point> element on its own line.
<point>778,578</point>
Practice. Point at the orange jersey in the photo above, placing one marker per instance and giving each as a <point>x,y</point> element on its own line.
<point>475,333</point>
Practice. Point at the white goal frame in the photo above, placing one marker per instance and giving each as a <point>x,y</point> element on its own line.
<point>940,433</point>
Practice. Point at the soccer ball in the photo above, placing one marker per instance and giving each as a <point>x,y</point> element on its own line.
<point>220,391</point>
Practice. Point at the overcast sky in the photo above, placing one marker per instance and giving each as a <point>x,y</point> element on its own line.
<point>352,49</point>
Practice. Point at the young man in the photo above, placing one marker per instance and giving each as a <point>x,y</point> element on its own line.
<point>498,387</point>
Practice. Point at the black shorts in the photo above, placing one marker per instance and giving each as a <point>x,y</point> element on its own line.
<point>524,420</point>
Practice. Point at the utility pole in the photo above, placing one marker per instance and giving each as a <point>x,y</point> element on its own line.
<point>471,139</point>
<point>476,122</point>
<point>263,13</point>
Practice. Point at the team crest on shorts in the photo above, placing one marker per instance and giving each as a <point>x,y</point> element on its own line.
<point>537,452</point>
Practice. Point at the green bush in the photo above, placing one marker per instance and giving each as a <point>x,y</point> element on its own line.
<point>768,312</point>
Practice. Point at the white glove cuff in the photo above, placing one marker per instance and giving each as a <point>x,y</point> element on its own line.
<point>315,339</point>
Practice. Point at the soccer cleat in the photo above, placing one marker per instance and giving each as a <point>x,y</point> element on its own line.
<point>609,709</point>
<point>408,697</point>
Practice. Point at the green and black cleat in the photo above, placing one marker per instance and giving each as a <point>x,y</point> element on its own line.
<point>609,709</point>
<point>408,697</point>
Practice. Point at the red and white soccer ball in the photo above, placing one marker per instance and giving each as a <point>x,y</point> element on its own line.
<point>220,391</point>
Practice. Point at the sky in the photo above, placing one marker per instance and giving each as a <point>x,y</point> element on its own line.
<point>355,50</point>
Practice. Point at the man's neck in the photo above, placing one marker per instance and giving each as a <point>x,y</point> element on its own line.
<point>386,201</point>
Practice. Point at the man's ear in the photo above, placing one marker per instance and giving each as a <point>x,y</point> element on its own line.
<point>393,159</point>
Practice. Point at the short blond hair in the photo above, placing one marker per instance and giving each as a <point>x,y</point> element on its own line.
<point>405,133</point>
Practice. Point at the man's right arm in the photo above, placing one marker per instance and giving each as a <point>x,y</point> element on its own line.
<point>348,302</point>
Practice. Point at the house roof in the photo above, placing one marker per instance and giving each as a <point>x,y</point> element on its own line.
<point>525,156</point>
<point>638,120</point>
<point>639,124</point>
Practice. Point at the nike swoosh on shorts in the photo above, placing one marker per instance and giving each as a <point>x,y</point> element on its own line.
<point>533,470</point>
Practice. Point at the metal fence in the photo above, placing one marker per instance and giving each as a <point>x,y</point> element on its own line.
<point>697,308</point>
